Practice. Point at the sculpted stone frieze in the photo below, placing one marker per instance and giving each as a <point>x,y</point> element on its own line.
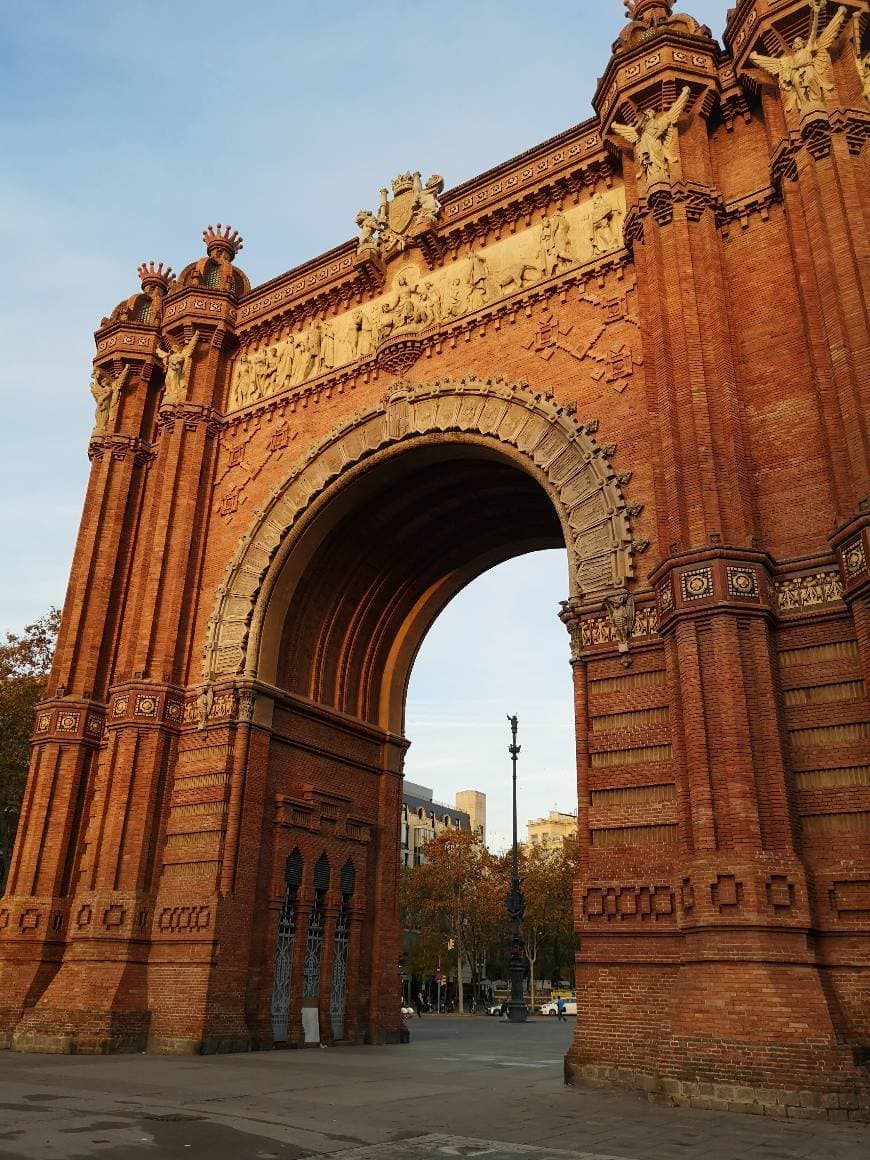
<point>801,592</point>
<point>417,301</point>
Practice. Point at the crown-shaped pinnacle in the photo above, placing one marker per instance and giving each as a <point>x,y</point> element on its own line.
<point>152,275</point>
<point>649,10</point>
<point>223,240</point>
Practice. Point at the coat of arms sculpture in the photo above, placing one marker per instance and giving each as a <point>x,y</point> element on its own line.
<point>412,205</point>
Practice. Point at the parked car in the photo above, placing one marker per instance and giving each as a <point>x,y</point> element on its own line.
<point>550,1008</point>
<point>407,1011</point>
<point>497,1008</point>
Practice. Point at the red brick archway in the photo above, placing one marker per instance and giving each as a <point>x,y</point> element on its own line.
<point>276,512</point>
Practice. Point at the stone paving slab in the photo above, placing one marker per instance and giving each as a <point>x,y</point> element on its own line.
<point>434,1146</point>
<point>473,1085</point>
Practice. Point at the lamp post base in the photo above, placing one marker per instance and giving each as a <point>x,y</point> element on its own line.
<point>517,1012</point>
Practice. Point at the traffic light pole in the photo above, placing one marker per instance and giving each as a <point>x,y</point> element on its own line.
<point>516,904</point>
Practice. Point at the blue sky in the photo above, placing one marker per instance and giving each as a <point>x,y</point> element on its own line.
<point>126,128</point>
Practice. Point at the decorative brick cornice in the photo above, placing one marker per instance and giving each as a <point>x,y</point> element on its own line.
<point>69,719</point>
<point>816,135</point>
<point>808,591</point>
<point>740,209</point>
<point>199,306</point>
<point>658,205</point>
<point>119,447</point>
<point>190,416</point>
<point>696,583</point>
<point>674,54</point>
<point>127,340</point>
<point>166,705</point>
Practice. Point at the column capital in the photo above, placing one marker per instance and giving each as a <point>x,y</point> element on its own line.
<point>698,581</point>
<point>851,542</point>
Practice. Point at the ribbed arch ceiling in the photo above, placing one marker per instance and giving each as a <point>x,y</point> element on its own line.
<point>431,520</point>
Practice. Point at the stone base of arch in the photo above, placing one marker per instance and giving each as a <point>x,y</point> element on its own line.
<point>755,1037</point>
<point>774,1073</point>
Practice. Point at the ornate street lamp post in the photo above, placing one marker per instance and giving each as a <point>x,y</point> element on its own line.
<point>516,904</point>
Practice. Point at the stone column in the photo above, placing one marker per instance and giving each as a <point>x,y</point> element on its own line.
<point>100,994</point>
<point>37,915</point>
<point>384,1017</point>
<point>818,167</point>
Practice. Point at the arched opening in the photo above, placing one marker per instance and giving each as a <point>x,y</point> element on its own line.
<point>428,521</point>
<point>323,610</point>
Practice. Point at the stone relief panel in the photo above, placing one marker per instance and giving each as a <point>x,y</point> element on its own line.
<point>417,301</point>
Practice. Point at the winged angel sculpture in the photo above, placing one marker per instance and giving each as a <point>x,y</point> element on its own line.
<point>655,139</point>
<point>106,393</point>
<point>803,75</point>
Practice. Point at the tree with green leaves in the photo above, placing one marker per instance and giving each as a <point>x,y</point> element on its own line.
<point>25,662</point>
<point>455,896</point>
<point>548,923</point>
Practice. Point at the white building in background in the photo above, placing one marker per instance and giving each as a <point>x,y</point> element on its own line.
<point>549,833</point>
<point>423,818</point>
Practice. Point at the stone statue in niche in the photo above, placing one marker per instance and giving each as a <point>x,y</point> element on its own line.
<point>606,225</point>
<point>622,613</point>
<point>803,74</point>
<point>107,393</point>
<point>654,138</point>
<point>862,63</point>
<point>177,362</point>
<point>204,704</point>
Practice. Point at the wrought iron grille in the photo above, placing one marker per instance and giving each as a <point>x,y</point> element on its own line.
<point>313,951</point>
<point>284,967</point>
<point>284,948</point>
<point>338,999</point>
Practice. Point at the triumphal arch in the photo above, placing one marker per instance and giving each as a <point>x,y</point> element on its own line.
<point>645,342</point>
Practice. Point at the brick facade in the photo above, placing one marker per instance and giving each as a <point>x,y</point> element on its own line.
<point>682,403</point>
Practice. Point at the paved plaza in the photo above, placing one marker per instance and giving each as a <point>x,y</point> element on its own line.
<point>463,1087</point>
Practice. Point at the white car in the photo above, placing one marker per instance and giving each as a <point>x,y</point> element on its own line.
<point>550,1008</point>
<point>406,1011</point>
